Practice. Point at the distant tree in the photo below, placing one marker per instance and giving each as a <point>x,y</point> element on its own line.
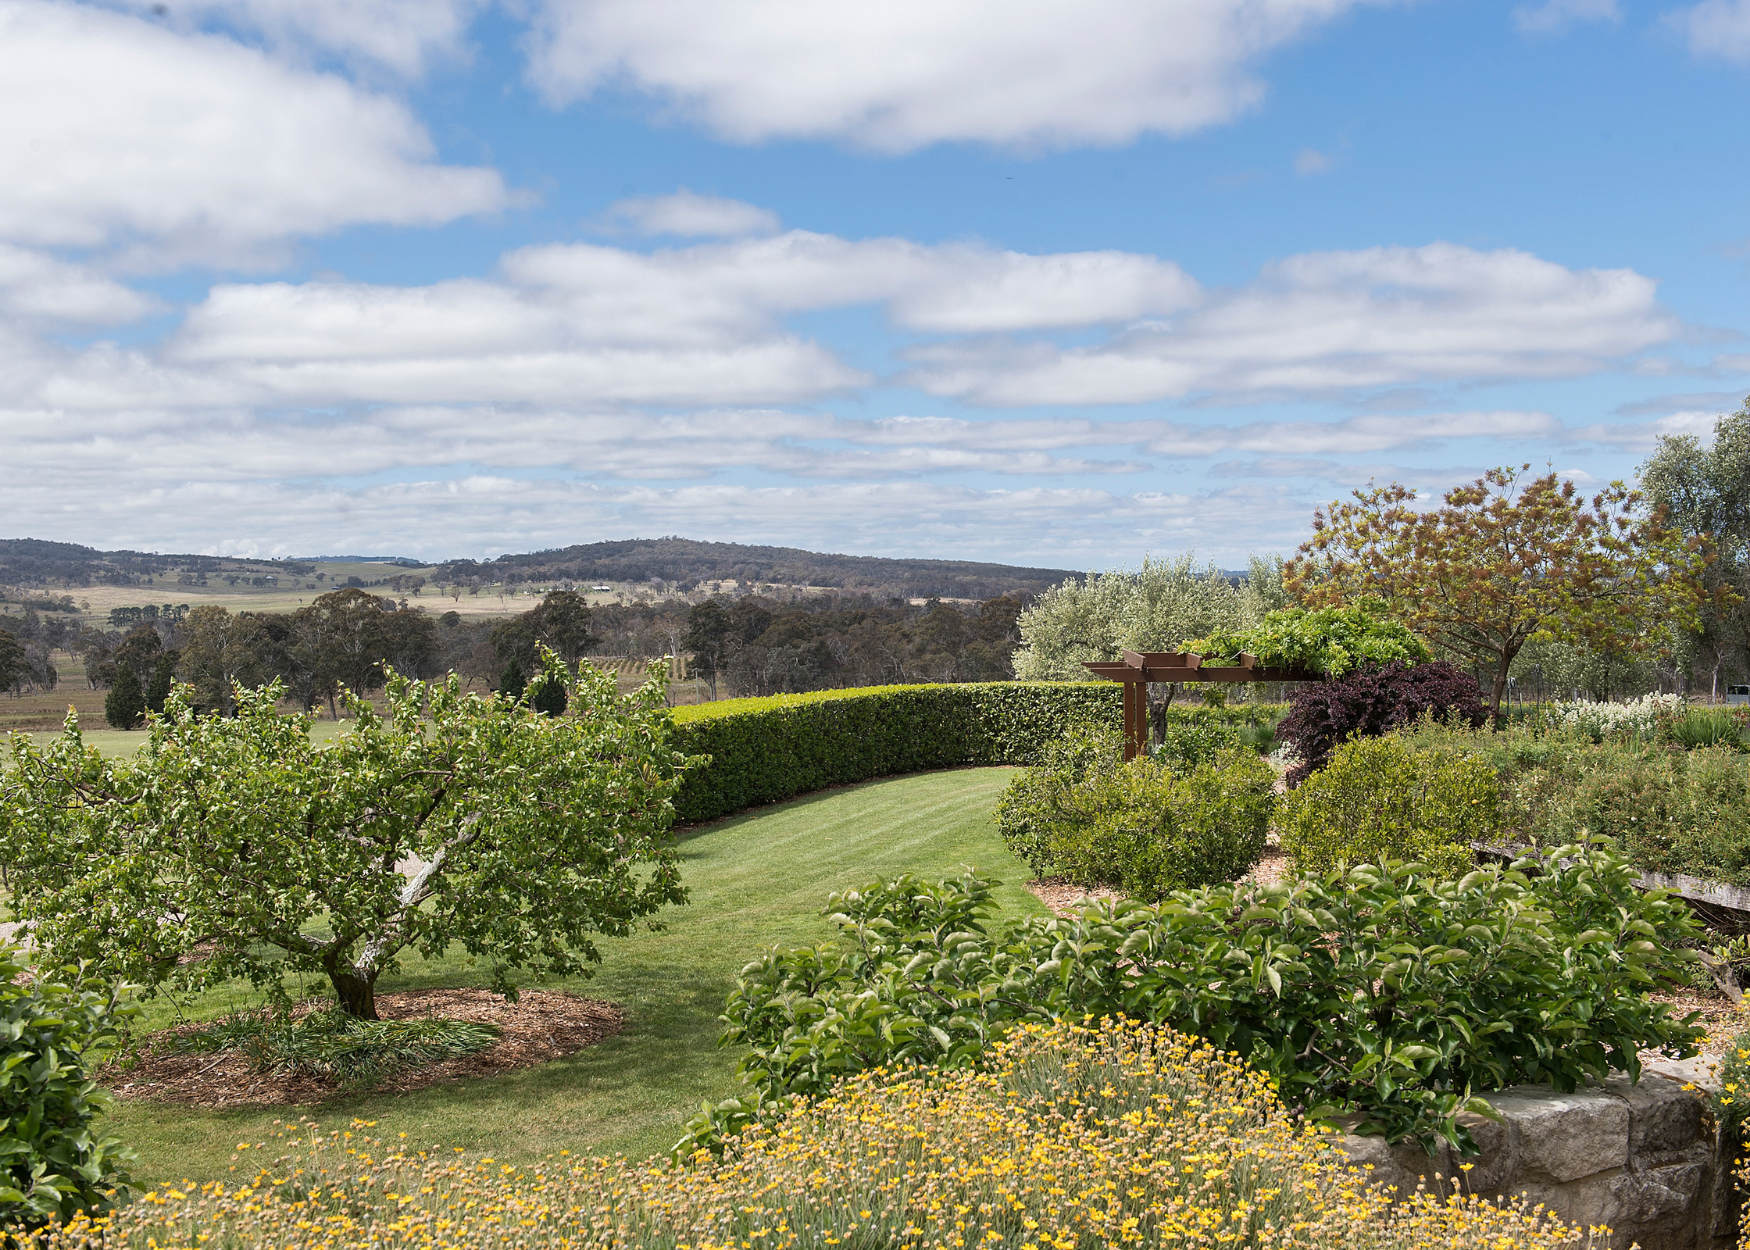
<point>163,678</point>
<point>124,707</point>
<point>1152,609</point>
<point>270,854</point>
<point>547,697</point>
<point>12,660</point>
<point>346,637</point>
<point>512,681</point>
<point>138,652</point>
<point>1507,560</point>
<point>708,638</point>
<point>561,623</point>
<point>219,653</point>
<point>1706,493</point>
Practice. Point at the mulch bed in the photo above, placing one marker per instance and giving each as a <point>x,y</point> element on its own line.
<point>541,1026</point>
<point>1066,899</point>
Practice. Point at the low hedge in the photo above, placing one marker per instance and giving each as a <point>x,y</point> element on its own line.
<point>769,749</point>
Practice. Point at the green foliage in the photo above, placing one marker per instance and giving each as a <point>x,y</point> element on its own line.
<point>1682,812</point>
<point>768,749</point>
<point>1708,727</point>
<point>1150,609</point>
<point>548,697</point>
<point>1186,743</point>
<point>1148,830</point>
<point>764,750</point>
<point>1381,797</point>
<point>1732,1103</point>
<point>163,679</point>
<point>1329,641</point>
<point>512,681</point>
<point>1143,826</point>
<point>236,836</point>
<point>56,1024</point>
<point>1042,800</point>
<point>1671,810</point>
<point>335,1046</point>
<point>1384,992</point>
<point>124,707</point>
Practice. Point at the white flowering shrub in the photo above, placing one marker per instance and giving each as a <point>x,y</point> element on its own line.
<point>1612,720</point>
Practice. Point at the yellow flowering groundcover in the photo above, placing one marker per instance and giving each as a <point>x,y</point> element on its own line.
<point>1065,1136</point>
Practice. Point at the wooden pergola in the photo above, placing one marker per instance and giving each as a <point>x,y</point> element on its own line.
<point>1136,669</point>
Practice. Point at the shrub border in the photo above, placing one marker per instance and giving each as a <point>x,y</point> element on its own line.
<point>765,750</point>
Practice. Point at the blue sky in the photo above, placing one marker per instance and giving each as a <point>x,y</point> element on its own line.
<point>1038,282</point>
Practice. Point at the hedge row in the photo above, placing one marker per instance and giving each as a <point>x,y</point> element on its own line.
<point>766,750</point>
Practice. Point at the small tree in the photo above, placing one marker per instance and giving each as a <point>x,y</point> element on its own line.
<point>455,818</point>
<point>124,706</point>
<point>511,681</point>
<point>548,697</point>
<point>1506,561</point>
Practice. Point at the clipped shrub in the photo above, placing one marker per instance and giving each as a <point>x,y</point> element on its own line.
<point>1047,797</point>
<point>1328,641</point>
<point>769,749</point>
<point>56,1025</point>
<point>1068,1136</point>
<point>1188,743</point>
<point>1386,992</point>
<point>1372,701</point>
<point>1149,830</point>
<point>1381,798</point>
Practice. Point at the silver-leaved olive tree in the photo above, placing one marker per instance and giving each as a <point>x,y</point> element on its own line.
<point>236,846</point>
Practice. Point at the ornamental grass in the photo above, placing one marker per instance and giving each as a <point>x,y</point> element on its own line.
<point>1064,1138</point>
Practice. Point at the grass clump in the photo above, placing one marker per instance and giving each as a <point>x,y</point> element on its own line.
<point>1065,1136</point>
<point>334,1046</point>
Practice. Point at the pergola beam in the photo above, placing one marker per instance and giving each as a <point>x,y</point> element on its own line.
<point>1136,669</point>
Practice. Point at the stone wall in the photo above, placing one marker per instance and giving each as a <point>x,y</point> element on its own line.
<point>1644,1160</point>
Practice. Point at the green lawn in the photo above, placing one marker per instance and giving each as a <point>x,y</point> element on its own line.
<point>756,880</point>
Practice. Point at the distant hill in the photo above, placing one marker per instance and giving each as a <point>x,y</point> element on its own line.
<point>39,562</point>
<point>36,562</point>
<point>688,561</point>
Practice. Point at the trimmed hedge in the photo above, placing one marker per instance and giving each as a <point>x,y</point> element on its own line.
<point>770,749</point>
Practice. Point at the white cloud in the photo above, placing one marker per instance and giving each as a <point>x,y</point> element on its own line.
<point>1331,321</point>
<point>1555,15</point>
<point>38,288</point>
<point>403,35</point>
<point>580,323</point>
<point>1310,161</point>
<point>1716,28</point>
<point>194,147</point>
<point>691,216</point>
<point>484,514</point>
<point>906,73</point>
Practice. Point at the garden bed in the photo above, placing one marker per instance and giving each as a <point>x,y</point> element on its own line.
<point>540,1027</point>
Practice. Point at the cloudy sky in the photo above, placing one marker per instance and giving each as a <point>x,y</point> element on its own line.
<point>1054,282</point>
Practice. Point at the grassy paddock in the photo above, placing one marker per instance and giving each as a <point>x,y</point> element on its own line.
<point>756,880</point>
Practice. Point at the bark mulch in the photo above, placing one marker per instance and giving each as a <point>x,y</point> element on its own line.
<point>541,1026</point>
<point>1068,900</point>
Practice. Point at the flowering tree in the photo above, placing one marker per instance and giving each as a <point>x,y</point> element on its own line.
<point>1506,560</point>
<point>238,847</point>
